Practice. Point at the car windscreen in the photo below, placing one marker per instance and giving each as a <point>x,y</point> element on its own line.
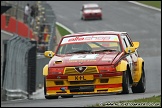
<point>89,44</point>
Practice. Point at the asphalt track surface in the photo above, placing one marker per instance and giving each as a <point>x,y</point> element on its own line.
<point>143,25</point>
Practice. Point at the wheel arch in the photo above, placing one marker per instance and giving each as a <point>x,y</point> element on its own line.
<point>45,70</point>
<point>138,72</point>
<point>123,66</point>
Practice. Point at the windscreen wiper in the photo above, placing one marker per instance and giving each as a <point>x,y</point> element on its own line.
<point>106,50</point>
<point>81,51</point>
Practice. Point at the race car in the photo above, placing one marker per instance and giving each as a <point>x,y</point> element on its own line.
<point>91,11</point>
<point>95,62</point>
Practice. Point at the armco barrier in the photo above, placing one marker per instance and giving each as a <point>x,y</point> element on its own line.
<point>19,74</point>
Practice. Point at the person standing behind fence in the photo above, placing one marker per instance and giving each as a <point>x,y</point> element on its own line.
<point>36,10</point>
<point>26,13</point>
<point>46,34</point>
<point>32,14</point>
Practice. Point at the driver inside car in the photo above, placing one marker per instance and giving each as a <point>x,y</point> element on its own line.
<point>79,47</point>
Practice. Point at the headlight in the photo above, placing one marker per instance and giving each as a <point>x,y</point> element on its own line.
<point>110,68</point>
<point>55,70</point>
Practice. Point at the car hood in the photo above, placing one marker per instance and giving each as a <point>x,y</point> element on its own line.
<point>92,11</point>
<point>82,59</point>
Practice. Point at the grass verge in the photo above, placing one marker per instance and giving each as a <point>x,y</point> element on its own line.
<point>156,4</point>
<point>62,31</point>
<point>154,101</point>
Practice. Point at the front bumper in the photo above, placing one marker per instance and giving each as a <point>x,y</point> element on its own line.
<point>101,83</point>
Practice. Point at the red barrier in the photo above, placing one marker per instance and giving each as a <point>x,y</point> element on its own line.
<point>3,22</point>
<point>22,28</point>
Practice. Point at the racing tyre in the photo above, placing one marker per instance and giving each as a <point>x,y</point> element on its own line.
<point>48,97</point>
<point>67,96</point>
<point>141,86</point>
<point>125,83</point>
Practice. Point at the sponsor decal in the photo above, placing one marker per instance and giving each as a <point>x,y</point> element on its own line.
<point>81,61</point>
<point>84,57</point>
<point>90,38</point>
<point>107,59</point>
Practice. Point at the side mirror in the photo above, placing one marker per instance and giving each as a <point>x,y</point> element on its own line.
<point>130,49</point>
<point>136,44</point>
<point>49,54</point>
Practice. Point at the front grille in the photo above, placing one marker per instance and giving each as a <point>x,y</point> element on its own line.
<point>59,82</point>
<point>81,88</point>
<point>89,70</point>
<point>104,80</point>
<point>81,82</point>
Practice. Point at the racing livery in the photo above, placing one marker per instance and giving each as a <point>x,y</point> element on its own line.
<point>91,11</point>
<point>91,63</point>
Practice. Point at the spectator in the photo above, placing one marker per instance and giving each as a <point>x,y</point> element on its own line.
<point>36,10</point>
<point>40,36</point>
<point>46,33</point>
<point>26,13</point>
<point>32,14</point>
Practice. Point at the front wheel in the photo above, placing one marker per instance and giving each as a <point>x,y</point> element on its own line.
<point>141,86</point>
<point>125,83</point>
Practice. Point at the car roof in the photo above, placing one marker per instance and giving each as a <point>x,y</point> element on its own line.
<point>95,33</point>
<point>89,5</point>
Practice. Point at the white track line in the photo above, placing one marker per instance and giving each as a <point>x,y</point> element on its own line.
<point>64,27</point>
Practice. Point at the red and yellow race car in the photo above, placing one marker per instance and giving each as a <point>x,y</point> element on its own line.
<point>91,63</point>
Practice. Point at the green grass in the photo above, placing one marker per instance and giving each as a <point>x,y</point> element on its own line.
<point>62,30</point>
<point>156,4</point>
<point>154,101</point>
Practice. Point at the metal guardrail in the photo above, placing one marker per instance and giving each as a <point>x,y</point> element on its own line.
<point>16,73</point>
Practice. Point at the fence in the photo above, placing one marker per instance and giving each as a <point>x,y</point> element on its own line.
<point>19,72</point>
<point>22,67</point>
<point>45,17</point>
<point>50,22</point>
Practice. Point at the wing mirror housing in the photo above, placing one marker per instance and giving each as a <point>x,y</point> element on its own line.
<point>130,49</point>
<point>49,54</point>
<point>136,44</point>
